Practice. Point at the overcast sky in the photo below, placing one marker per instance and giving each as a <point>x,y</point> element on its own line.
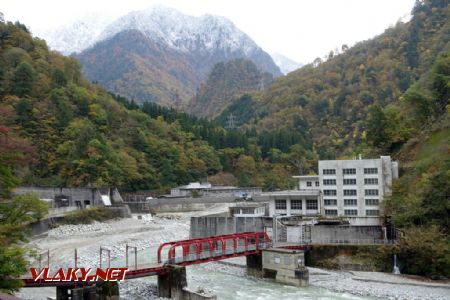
<point>300,29</point>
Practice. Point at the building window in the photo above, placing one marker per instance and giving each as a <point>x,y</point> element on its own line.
<point>350,181</point>
<point>308,183</point>
<point>329,192</point>
<point>280,204</point>
<point>349,171</point>
<point>350,212</point>
<point>372,212</point>
<point>370,170</point>
<point>372,202</point>
<point>371,192</point>
<point>329,171</point>
<point>317,183</point>
<point>311,204</point>
<point>329,182</point>
<point>370,180</point>
<point>350,202</point>
<point>331,212</point>
<point>330,202</point>
<point>349,192</point>
<point>296,204</point>
<point>248,211</point>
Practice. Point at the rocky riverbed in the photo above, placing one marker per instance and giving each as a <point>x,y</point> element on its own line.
<point>147,233</point>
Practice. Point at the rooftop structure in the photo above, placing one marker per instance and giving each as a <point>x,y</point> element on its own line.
<point>208,189</point>
<point>248,210</point>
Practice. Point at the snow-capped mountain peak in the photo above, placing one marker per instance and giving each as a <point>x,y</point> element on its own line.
<point>78,35</point>
<point>285,64</point>
<point>182,32</point>
<point>207,39</point>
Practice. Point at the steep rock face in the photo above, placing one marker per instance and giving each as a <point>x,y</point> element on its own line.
<point>131,64</point>
<point>226,82</point>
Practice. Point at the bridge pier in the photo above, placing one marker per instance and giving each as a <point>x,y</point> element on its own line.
<point>285,266</point>
<point>100,291</point>
<point>172,283</point>
<point>62,293</point>
<point>254,265</point>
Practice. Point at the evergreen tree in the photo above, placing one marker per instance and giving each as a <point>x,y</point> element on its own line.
<point>376,127</point>
<point>59,78</point>
<point>23,79</point>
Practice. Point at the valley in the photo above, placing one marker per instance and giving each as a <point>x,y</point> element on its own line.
<point>156,100</point>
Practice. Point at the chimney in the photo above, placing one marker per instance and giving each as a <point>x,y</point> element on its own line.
<point>360,156</point>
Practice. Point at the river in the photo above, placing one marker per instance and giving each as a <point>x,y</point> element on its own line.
<point>231,282</point>
<point>227,282</point>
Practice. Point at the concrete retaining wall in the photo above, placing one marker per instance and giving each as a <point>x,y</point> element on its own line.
<point>209,226</point>
<point>181,204</point>
<point>323,234</point>
<point>46,224</point>
<point>73,194</point>
<point>43,225</point>
<point>143,207</point>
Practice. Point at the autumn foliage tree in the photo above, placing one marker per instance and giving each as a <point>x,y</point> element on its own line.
<point>14,151</point>
<point>17,212</point>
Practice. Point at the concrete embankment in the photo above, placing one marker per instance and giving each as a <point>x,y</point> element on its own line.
<point>351,257</point>
<point>57,217</point>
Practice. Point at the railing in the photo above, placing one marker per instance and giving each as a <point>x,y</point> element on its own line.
<point>353,242</point>
<point>215,247</point>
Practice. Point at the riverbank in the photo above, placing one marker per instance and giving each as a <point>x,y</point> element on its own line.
<point>148,233</point>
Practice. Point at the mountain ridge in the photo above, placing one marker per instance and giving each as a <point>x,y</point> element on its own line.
<point>226,82</point>
<point>194,45</point>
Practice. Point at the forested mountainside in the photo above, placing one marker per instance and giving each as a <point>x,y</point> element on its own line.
<point>420,202</point>
<point>331,100</point>
<point>388,95</point>
<point>76,134</point>
<point>161,55</point>
<point>225,82</point>
<point>60,130</point>
<point>132,65</point>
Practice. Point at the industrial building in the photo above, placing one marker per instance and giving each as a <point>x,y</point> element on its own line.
<point>348,189</point>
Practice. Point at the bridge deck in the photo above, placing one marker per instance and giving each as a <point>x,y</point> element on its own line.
<point>193,253</point>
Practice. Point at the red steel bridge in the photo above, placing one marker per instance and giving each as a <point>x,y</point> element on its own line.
<point>182,253</point>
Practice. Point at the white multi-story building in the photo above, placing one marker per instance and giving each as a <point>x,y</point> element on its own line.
<point>353,189</point>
